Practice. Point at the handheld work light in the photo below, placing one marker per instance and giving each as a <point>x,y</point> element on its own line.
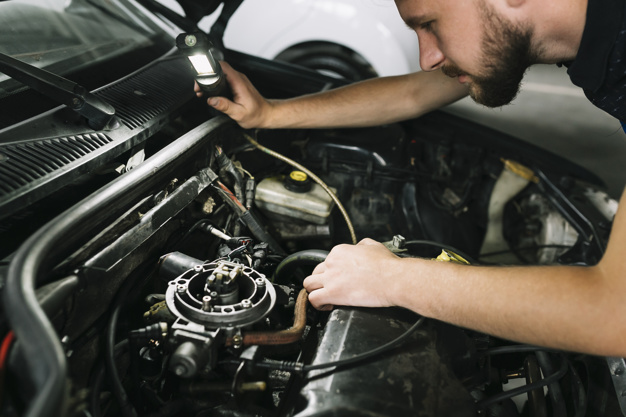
<point>209,75</point>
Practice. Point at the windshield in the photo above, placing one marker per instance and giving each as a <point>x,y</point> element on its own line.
<point>66,37</point>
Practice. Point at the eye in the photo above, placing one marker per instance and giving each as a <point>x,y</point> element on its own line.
<point>427,26</point>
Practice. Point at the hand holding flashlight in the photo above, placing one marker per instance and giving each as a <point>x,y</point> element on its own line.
<point>209,75</point>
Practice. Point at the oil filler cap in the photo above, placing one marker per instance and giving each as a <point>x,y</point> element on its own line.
<point>298,182</point>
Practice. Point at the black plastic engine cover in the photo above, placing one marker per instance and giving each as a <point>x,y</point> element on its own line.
<point>411,380</point>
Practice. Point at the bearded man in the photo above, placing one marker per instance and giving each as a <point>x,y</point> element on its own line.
<point>481,48</point>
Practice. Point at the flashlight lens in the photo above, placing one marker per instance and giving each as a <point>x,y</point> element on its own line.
<point>201,64</point>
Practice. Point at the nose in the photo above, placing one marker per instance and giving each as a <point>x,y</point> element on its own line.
<point>431,56</point>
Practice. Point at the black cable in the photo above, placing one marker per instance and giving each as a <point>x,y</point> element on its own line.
<point>303,258</point>
<point>501,350</point>
<point>98,381</point>
<point>554,390</point>
<point>581,406</point>
<point>126,407</point>
<point>197,225</point>
<point>442,246</point>
<point>300,367</point>
<point>96,388</point>
<point>535,247</point>
<point>526,388</point>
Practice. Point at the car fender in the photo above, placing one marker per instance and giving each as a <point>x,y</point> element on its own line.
<point>372,28</point>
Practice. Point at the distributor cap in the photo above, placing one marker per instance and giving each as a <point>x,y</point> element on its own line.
<point>220,293</point>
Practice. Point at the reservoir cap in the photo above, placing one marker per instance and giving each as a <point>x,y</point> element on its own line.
<point>298,182</point>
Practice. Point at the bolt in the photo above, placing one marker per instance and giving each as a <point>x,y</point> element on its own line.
<point>398,241</point>
<point>260,282</point>
<point>76,102</point>
<point>246,303</point>
<point>618,371</point>
<point>180,370</point>
<point>197,268</point>
<point>190,40</point>
<point>181,288</point>
<point>237,340</point>
<point>206,303</point>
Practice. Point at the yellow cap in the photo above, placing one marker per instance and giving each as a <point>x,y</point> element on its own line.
<point>298,176</point>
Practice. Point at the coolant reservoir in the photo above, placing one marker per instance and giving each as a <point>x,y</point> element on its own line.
<point>294,196</point>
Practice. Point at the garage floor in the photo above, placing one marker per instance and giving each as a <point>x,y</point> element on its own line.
<point>552,113</point>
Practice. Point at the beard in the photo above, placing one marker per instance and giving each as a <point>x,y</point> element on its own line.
<point>506,55</point>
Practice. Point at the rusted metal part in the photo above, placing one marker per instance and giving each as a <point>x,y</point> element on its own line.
<point>280,337</point>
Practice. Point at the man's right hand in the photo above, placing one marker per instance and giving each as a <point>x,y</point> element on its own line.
<point>367,103</point>
<point>248,108</point>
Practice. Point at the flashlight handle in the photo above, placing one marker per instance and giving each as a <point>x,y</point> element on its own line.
<point>214,87</point>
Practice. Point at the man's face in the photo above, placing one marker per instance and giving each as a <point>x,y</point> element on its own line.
<point>470,40</point>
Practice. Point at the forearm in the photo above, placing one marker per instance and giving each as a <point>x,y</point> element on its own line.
<point>571,308</point>
<point>368,103</point>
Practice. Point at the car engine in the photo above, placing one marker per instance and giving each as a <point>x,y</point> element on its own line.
<point>154,267</point>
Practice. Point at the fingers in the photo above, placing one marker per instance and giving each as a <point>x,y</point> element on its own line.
<point>320,268</point>
<point>226,67</point>
<point>220,103</point>
<point>368,241</point>
<point>234,78</point>
<point>312,283</point>
<point>317,300</point>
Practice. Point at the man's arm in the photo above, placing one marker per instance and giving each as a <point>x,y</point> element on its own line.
<point>567,307</point>
<point>367,103</point>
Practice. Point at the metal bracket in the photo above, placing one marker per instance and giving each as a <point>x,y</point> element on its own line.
<point>617,367</point>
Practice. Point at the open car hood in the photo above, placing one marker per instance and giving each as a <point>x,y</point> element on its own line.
<point>155,266</point>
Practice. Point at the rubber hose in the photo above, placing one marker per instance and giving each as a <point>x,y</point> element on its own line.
<point>295,260</point>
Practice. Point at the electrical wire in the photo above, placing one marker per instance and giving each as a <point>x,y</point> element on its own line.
<point>535,247</point>
<point>554,390</point>
<point>4,349</point>
<point>300,367</point>
<point>126,407</point>
<point>99,378</point>
<point>526,388</point>
<point>7,342</point>
<point>581,405</point>
<point>441,246</point>
<point>314,177</point>
<point>501,350</point>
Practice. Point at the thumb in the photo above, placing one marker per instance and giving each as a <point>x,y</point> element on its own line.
<point>220,103</point>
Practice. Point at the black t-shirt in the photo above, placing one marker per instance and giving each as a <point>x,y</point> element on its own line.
<point>600,65</point>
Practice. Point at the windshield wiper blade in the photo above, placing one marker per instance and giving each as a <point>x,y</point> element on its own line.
<point>99,114</point>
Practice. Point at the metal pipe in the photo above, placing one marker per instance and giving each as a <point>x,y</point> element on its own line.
<point>280,337</point>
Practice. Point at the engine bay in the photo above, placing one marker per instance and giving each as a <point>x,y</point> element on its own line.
<point>159,272</point>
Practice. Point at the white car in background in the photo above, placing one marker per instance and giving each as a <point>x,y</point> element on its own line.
<point>353,39</point>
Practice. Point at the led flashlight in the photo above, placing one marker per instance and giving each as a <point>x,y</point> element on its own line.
<point>209,75</point>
